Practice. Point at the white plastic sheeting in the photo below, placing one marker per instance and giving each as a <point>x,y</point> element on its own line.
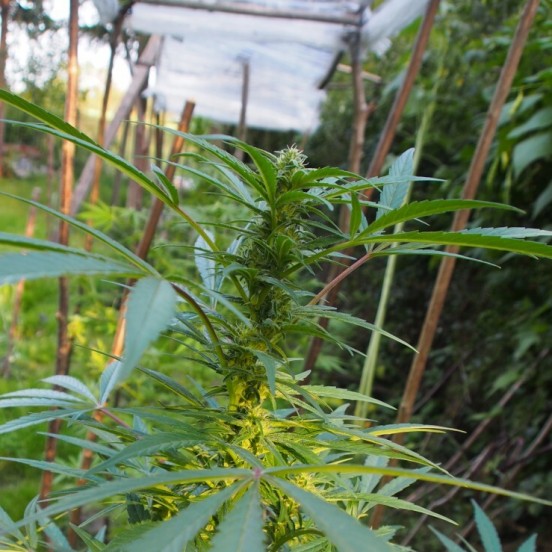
<point>204,52</point>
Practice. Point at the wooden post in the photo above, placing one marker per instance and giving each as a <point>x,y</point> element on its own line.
<point>147,59</point>
<point>446,267</point>
<point>19,289</point>
<point>395,114</point>
<point>135,192</point>
<point>67,176</point>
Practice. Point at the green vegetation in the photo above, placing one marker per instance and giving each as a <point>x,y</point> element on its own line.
<point>257,458</point>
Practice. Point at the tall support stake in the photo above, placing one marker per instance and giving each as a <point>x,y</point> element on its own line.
<point>390,129</point>
<point>147,59</point>
<point>460,220</point>
<point>67,177</point>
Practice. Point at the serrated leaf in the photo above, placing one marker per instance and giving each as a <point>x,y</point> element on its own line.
<point>151,445</point>
<point>38,418</point>
<point>450,545</point>
<point>487,531</point>
<point>398,472</point>
<point>393,195</point>
<point>108,380</point>
<point>343,394</point>
<point>71,383</point>
<point>111,489</point>
<point>344,531</point>
<point>100,236</point>
<point>468,240</point>
<point>174,534</point>
<point>151,306</point>
<point>42,394</point>
<point>509,232</point>
<point>241,529</point>
<point>38,264</point>
<point>420,209</point>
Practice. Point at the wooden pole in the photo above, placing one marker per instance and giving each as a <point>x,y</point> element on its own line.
<point>447,265</point>
<point>19,289</point>
<point>146,60</point>
<point>395,114</point>
<point>67,176</point>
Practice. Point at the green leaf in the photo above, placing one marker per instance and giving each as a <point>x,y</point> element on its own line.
<point>206,266</point>
<point>8,525</point>
<point>100,236</point>
<point>487,531</point>
<point>92,544</point>
<point>42,115</point>
<point>342,394</point>
<point>537,146</point>
<point>38,264</point>
<point>150,445</point>
<point>111,489</point>
<point>397,472</point>
<point>450,545</point>
<point>271,365</point>
<point>151,306</point>
<point>544,199</point>
<point>170,190</point>
<point>40,417</point>
<point>509,232</point>
<point>73,384</point>
<point>241,529</point>
<point>174,534</point>
<point>540,119</point>
<point>419,209</point>
<point>468,240</point>
<point>393,195</point>
<point>530,545</point>
<point>344,531</point>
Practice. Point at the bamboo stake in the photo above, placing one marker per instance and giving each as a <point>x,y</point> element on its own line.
<point>460,220</point>
<point>395,114</point>
<point>19,289</point>
<point>67,177</point>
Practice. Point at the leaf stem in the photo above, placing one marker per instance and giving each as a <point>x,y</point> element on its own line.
<point>339,278</point>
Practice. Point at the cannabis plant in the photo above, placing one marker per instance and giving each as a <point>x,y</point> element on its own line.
<point>259,459</point>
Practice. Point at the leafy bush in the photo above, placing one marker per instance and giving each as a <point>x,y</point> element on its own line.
<point>259,459</point>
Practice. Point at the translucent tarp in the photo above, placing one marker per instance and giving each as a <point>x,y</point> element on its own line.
<point>204,52</point>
